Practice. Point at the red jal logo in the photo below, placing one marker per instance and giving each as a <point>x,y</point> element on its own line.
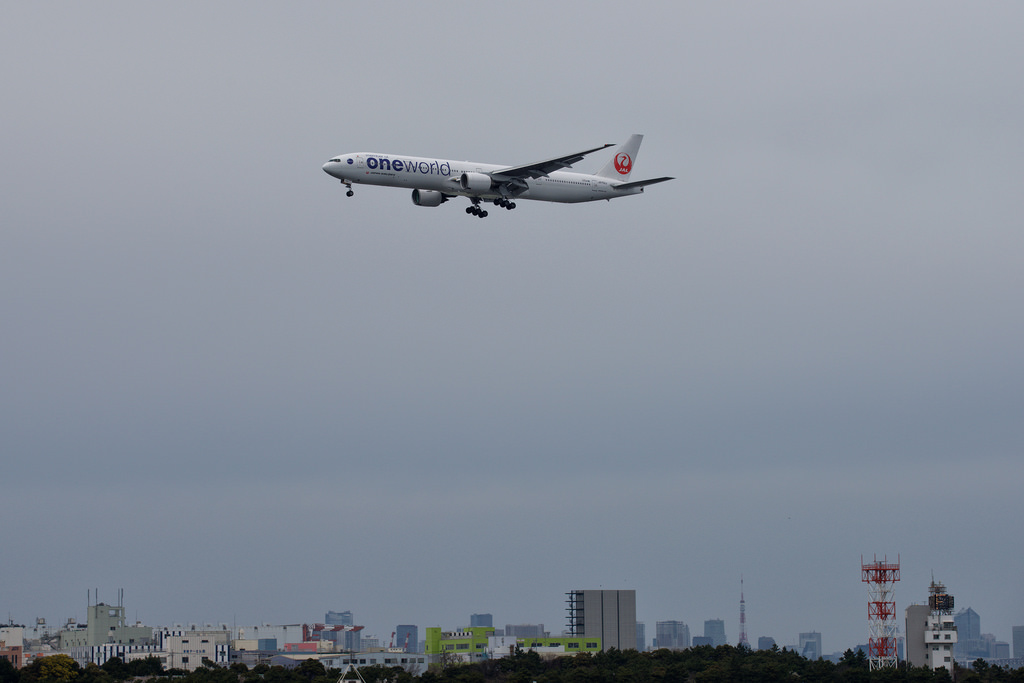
<point>623,164</point>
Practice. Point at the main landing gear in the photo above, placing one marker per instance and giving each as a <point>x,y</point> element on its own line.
<point>475,209</point>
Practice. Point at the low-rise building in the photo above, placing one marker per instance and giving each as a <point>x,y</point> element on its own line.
<point>413,663</point>
<point>188,649</point>
<point>478,642</point>
<point>12,653</point>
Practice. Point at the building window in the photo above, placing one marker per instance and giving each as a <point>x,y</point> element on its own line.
<point>462,646</point>
<point>572,646</point>
<point>591,645</point>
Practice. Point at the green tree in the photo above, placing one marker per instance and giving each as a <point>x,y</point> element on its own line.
<point>310,669</point>
<point>93,674</point>
<point>57,668</point>
<point>8,674</point>
<point>143,668</point>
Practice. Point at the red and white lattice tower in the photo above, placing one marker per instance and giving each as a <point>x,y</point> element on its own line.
<point>881,577</point>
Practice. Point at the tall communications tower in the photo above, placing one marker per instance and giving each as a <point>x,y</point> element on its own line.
<point>881,577</point>
<point>743,618</point>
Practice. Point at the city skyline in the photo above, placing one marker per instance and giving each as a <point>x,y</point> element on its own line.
<point>349,617</point>
<point>242,396</point>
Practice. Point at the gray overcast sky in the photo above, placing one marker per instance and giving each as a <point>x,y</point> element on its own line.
<point>241,396</point>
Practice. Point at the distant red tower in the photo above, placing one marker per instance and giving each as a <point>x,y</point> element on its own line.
<point>881,577</point>
<point>743,618</point>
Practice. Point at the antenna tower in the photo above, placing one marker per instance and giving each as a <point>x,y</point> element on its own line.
<point>881,577</point>
<point>743,618</point>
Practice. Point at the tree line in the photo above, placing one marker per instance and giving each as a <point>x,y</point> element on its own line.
<point>704,664</point>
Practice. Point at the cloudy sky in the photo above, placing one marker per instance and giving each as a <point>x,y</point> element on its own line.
<point>243,397</point>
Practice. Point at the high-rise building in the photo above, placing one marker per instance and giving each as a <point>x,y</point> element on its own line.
<point>673,635</point>
<point>641,637</point>
<point>765,643</point>
<point>1018,642</point>
<point>810,645</point>
<point>606,614</point>
<point>481,620</point>
<point>407,637</point>
<point>339,618</point>
<point>968,626</point>
<point>715,630</point>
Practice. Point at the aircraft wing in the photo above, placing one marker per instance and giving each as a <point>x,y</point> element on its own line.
<point>539,169</point>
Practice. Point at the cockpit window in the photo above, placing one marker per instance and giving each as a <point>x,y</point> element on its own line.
<point>336,160</point>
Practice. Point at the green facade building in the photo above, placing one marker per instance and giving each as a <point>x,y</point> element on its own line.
<point>479,642</point>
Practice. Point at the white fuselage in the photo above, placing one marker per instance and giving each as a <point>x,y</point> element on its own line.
<point>443,175</point>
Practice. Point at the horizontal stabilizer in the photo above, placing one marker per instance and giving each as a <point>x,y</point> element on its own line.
<point>640,183</point>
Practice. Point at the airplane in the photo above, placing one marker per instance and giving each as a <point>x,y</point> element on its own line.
<point>435,181</point>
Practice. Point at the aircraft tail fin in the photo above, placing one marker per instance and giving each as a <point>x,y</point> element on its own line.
<point>621,164</point>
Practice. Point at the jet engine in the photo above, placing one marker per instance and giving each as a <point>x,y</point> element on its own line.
<point>427,198</point>
<point>475,182</point>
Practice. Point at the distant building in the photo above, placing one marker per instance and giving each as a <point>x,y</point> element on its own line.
<point>11,653</point>
<point>106,624</point>
<point>413,663</point>
<point>477,643</point>
<point>609,615</point>
<point>810,645</point>
<point>279,634</point>
<point>931,631</point>
<point>344,638</point>
<point>524,630</point>
<point>481,620</point>
<point>697,641</point>
<point>339,618</point>
<point>715,630</point>
<point>765,643</point>
<point>968,626</point>
<point>641,637</point>
<point>407,637</point>
<point>1018,642</point>
<point>189,649</point>
<point>673,635</point>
